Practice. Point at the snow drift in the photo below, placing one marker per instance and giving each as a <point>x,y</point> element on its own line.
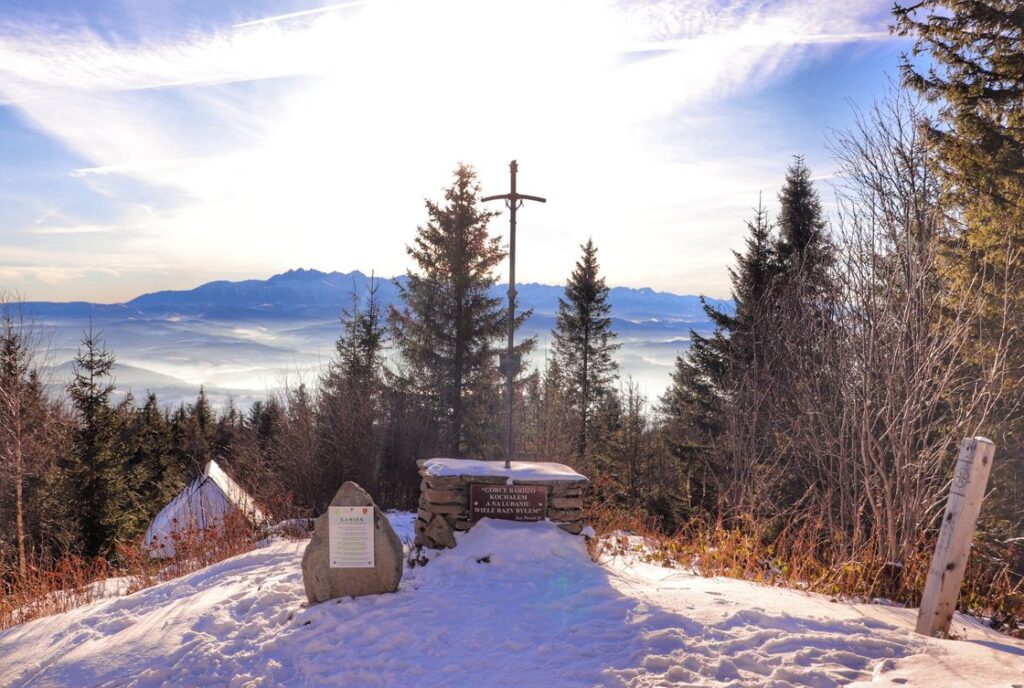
<point>514,604</point>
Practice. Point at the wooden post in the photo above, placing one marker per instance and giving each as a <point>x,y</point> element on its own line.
<point>941,590</point>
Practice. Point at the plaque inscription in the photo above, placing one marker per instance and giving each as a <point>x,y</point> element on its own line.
<point>350,537</point>
<point>508,502</point>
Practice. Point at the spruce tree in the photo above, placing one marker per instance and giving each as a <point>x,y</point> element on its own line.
<point>696,403</point>
<point>264,419</point>
<point>584,343</point>
<point>360,347</point>
<point>350,406</point>
<point>801,302</point>
<point>228,441</point>
<point>106,502</point>
<point>195,430</point>
<point>976,76</point>
<point>153,457</point>
<point>752,282</point>
<point>803,248</point>
<point>699,380</point>
<point>50,514</point>
<point>450,327</point>
<point>626,452</point>
<point>22,416</point>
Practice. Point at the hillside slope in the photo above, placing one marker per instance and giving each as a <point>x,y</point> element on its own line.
<point>538,613</point>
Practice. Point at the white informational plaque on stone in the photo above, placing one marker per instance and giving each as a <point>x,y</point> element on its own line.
<point>350,534</point>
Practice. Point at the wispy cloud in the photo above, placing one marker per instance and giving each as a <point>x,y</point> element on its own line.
<point>76,229</point>
<point>302,13</point>
<point>51,274</point>
<point>317,132</point>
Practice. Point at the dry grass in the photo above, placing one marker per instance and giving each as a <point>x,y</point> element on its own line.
<point>75,581</point>
<point>805,555</point>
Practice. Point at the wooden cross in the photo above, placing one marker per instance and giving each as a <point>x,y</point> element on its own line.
<point>513,200</point>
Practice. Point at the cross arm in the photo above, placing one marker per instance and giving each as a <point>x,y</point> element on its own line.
<point>532,198</point>
<point>514,197</point>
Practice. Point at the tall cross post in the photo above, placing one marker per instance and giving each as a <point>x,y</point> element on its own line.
<point>513,200</point>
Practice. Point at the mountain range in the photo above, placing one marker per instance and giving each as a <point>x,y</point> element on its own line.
<point>243,338</point>
<point>302,294</point>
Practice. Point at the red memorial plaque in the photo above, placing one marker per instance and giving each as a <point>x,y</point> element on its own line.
<point>508,502</point>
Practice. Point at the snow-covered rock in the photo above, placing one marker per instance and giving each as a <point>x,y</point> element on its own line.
<point>515,604</point>
<point>204,503</point>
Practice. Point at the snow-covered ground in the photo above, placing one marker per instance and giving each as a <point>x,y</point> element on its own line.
<point>513,605</point>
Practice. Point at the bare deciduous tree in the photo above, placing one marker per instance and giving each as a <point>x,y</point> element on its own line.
<point>854,399</point>
<point>873,417</point>
<point>22,427</point>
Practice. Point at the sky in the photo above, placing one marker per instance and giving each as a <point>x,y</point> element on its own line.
<point>160,144</point>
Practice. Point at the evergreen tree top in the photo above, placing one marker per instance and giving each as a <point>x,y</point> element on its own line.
<point>803,245</point>
<point>584,342</point>
<point>976,48</point>
<point>91,386</point>
<point>454,244</point>
<point>450,324</point>
<point>585,306</point>
<point>801,220</point>
<point>756,268</point>
<point>586,288</point>
<point>363,336</point>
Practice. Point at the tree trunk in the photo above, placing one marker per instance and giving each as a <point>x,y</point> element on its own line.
<point>458,364</point>
<point>585,396</point>
<point>19,500</point>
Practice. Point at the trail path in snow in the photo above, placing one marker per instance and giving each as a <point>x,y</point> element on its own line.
<point>513,605</point>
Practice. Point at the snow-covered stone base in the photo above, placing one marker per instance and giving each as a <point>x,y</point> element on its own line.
<point>444,494</point>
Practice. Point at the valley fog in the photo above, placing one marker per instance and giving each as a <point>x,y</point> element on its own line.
<point>243,340</point>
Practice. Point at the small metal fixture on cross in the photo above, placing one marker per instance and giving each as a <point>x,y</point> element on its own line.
<point>509,365</point>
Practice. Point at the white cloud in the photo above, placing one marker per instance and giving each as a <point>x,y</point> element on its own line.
<point>75,229</point>
<point>370,108</point>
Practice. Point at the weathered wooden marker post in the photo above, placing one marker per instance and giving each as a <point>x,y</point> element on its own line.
<point>942,588</point>
<point>510,366</point>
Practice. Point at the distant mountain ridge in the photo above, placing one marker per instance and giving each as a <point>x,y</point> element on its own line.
<point>304,294</point>
<point>240,339</point>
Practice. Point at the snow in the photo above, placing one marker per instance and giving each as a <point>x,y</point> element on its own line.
<point>404,525</point>
<point>202,504</point>
<point>514,604</point>
<point>233,491</point>
<point>520,470</point>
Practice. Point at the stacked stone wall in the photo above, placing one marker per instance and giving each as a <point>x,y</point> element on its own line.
<point>444,505</point>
